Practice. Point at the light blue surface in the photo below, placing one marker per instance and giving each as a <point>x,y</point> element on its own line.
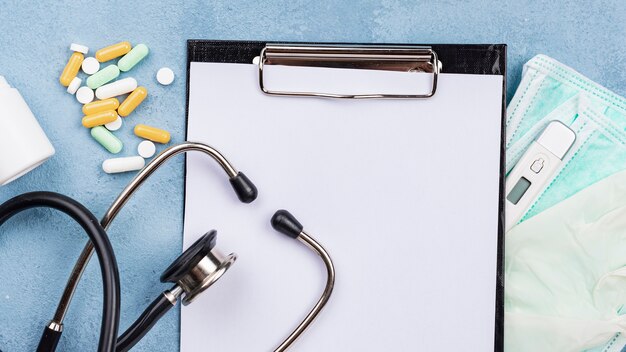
<point>38,249</point>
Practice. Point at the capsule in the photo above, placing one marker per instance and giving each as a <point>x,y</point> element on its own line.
<point>103,76</point>
<point>100,106</point>
<point>116,165</point>
<point>132,101</point>
<point>152,133</point>
<point>99,119</point>
<point>71,69</point>
<point>116,88</point>
<point>113,51</point>
<point>107,139</point>
<point>133,57</point>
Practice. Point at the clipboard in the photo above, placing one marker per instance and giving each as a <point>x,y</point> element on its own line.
<point>431,59</point>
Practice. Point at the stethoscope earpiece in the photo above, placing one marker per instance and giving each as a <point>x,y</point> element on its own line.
<point>199,267</point>
<point>287,224</point>
<point>245,189</point>
<point>195,270</point>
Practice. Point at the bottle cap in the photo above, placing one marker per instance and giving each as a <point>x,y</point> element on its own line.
<point>28,146</point>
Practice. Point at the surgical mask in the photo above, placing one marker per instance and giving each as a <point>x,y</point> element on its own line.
<point>565,268</point>
<point>550,91</point>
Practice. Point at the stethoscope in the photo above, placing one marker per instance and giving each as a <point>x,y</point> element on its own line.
<point>195,270</point>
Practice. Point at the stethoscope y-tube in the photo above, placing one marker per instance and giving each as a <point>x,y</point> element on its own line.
<point>244,188</point>
<point>104,251</point>
<point>200,265</point>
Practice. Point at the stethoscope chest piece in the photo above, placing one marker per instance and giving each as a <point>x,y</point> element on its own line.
<point>199,267</point>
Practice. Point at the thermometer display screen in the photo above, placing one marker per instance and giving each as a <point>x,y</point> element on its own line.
<point>518,190</point>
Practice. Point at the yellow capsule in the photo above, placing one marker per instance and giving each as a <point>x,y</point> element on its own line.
<point>100,105</point>
<point>152,133</point>
<point>132,101</point>
<point>71,69</point>
<point>113,51</point>
<point>99,119</point>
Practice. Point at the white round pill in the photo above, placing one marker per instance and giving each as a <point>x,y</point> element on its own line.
<point>84,95</point>
<point>165,76</point>
<point>91,65</point>
<point>115,125</point>
<point>146,149</point>
<point>74,85</point>
<point>79,48</point>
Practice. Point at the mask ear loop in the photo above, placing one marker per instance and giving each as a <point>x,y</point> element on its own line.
<point>243,187</point>
<point>106,258</point>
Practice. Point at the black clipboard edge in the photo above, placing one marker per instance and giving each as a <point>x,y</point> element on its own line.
<point>499,332</point>
<point>485,59</point>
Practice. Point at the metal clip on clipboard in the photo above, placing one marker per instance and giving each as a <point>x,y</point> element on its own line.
<point>372,57</point>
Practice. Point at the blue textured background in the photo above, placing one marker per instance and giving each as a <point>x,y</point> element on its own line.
<point>38,249</point>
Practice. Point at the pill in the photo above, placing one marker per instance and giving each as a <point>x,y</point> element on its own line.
<point>146,149</point>
<point>74,85</point>
<point>117,165</point>
<point>107,139</point>
<point>99,119</point>
<point>71,69</point>
<point>132,101</point>
<point>103,76</point>
<point>152,133</point>
<point>79,48</point>
<point>115,125</point>
<point>116,88</point>
<point>113,51</point>
<point>133,57</point>
<point>90,65</point>
<point>84,95</point>
<point>100,106</point>
<point>165,76</point>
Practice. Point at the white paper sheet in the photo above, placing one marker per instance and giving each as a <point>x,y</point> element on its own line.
<point>402,193</point>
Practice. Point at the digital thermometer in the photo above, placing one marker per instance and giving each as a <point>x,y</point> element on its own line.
<point>535,169</point>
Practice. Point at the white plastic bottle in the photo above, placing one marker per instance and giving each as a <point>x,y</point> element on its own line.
<point>23,144</point>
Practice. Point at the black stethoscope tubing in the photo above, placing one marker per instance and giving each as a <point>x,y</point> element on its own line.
<point>245,191</point>
<point>180,270</point>
<point>102,245</point>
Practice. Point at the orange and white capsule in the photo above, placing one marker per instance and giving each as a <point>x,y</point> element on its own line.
<point>100,106</point>
<point>113,51</point>
<point>152,133</point>
<point>132,101</point>
<point>71,68</point>
<point>99,119</point>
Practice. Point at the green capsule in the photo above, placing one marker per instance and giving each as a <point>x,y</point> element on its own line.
<point>131,59</point>
<point>103,76</point>
<point>107,139</point>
